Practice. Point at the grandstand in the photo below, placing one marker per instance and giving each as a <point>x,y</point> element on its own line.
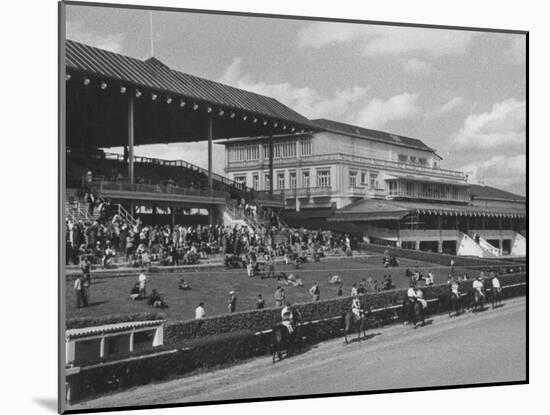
<point>118,101</point>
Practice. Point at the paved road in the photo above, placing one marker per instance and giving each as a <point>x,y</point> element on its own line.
<point>474,348</point>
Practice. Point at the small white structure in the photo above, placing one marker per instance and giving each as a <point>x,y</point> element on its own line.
<point>90,343</point>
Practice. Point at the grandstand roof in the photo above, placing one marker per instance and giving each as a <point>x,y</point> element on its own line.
<point>234,110</point>
<point>372,209</point>
<point>488,192</point>
<point>360,132</point>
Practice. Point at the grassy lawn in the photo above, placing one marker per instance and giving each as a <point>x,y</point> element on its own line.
<point>111,295</point>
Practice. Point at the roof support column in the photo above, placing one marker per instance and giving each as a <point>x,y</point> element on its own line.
<point>440,242</point>
<point>500,244</point>
<point>210,134</point>
<point>131,139</point>
<point>271,178</point>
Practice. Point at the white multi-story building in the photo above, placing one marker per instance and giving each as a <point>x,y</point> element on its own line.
<point>343,164</point>
<point>388,186</point>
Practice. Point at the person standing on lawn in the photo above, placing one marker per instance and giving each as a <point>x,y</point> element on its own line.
<point>78,290</point>
<point>279,296</point>
<point>232,302</point>
<point>260,303</point>
<point>142,279</point>
<point>200,313</point>
<point>315,291</point>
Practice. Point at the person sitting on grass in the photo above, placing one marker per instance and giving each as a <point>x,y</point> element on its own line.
<point>156,300</point>
<point>183,285</point>
<point>334,279</point>
<point>134,292</point>
<point>295,280</point>
<point>388,283</point>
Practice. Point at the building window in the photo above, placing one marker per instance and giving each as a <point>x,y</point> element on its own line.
<point>323,178</point>
<point>373,180</point>
<point>255,181</point>
<point>267,182</point>
<point>285,149</point>
<point>240,179</point>
<point>280,181</point>
<point>292,177</point>
<point>352,179</point>
<point>413,159</point>
<point>305,179</point>
<point>364,177</point>
<point>305,149</point>
<point>402,158</point>
<point>393,187</point>
<point>422,161</point>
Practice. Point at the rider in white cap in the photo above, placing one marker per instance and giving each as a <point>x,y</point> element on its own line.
<point>287,317</point>
<point>356,307</point>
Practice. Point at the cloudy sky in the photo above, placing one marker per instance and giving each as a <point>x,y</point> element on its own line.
<point>460,92</point>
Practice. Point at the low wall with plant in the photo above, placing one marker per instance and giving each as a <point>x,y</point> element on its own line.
<point>192,345</point>
<point>80,322</point>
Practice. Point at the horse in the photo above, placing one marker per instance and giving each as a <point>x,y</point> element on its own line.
<point>496,297</point>
<point>478,301</point>
<point>283,341</point>
<point>455,304</point>
<point>413,312</point>
<point>351,322</point>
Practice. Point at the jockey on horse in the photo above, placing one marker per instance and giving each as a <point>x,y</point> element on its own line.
<point>454,288</point>
<point>478,286</point>
<point>288,319</point>
<point>356,308</point>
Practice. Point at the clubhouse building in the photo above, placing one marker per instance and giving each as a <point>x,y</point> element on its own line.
<point>389,187</point>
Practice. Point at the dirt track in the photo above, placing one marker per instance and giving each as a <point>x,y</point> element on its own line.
<point>473,348</point>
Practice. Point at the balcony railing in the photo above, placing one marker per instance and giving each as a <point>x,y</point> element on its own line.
<point>305,191</point>
<point>420,195</point>
<point>160,162</point>
<point>332,157</point>
<point>157,188</point>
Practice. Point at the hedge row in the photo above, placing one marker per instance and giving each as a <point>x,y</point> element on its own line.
<point>483,264</point>
<point>186,356</point>
<point>258,320</point>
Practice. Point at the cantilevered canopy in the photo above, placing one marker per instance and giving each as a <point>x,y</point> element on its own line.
<point>169,106</point>
<point>372,210</point>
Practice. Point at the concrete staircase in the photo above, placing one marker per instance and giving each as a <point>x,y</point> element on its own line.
<point>468,247</point>
<point>519,245</point>
<point>78,211</point>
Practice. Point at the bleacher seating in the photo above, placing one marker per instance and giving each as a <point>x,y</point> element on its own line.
<point>112,167</point>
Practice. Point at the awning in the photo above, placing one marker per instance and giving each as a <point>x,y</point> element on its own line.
<point>372,210</point>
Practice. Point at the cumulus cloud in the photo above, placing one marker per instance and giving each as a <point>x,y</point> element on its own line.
<point>506,172</point>
<point>385,40</point>
<point>377,113</point>
<point>75,30</point>
<point>305,100</point>
<point>516,51</point>
<point>503,126</point>
<point>415,66</point>
<point>353,105</point>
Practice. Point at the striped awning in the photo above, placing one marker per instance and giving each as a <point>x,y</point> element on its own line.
<point>372,210</point>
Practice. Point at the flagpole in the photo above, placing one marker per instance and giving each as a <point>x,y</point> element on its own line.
<point>151,29</point>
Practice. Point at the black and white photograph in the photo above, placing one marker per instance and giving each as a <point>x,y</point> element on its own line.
<point>265,207</point>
